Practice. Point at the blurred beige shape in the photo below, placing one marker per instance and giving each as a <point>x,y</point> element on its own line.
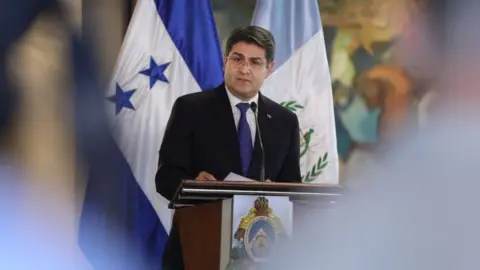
<point>42,140</point>
<point>105,23</point>
<point>73,9</point>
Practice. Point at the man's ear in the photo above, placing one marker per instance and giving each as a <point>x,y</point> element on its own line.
<point>270,68</point>
<point>224,62</point>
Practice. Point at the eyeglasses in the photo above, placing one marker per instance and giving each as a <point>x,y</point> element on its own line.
<point>239,61</point>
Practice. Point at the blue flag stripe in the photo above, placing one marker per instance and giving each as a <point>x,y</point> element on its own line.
<point>119,227</point>
<point>191,26</point>
<point>292,24</point>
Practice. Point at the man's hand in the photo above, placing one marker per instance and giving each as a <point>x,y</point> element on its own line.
<point>205,176</point>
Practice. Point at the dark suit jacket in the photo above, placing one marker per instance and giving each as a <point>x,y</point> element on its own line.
<point>201,136</point>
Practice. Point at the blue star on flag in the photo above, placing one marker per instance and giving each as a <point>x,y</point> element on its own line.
<point>155,72</point>
<point>122,99</point>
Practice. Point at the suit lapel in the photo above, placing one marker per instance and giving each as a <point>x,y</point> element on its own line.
<point>222,112</point>
<point>265,130</point>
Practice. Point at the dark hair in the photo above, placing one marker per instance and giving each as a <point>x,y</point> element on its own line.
<point>253,35</point>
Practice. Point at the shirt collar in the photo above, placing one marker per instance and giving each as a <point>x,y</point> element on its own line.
<point>234,100</point>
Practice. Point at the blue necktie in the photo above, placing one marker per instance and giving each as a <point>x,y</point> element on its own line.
<point>244,137</point>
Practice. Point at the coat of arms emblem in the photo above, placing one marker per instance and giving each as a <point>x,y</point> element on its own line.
<point>257,235</point>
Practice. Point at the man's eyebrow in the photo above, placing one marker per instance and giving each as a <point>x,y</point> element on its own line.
<point>254,58</point>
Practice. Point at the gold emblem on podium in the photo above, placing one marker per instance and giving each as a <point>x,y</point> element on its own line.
<point>256,236</point>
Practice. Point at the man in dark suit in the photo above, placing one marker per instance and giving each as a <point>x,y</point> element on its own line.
<point>213,133</point>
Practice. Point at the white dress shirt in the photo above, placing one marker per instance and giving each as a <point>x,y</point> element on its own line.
<point>250,115</point>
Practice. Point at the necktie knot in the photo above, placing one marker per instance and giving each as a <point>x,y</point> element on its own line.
<point>243,107</point>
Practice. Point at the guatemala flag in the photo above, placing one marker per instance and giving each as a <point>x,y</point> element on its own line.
<point>301,81</point>
<point>171,49</point>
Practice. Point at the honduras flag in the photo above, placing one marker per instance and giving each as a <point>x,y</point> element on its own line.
<point>171,48</point>
<point>301,81</point>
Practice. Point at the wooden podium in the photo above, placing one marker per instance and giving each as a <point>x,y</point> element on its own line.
<point>203,214</point>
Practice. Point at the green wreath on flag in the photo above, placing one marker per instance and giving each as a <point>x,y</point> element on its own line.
<point>322,162</point>
<point>316,170</point>
<point>291,105</point>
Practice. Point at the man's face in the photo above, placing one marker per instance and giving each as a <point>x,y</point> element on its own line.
<point>245,69</point>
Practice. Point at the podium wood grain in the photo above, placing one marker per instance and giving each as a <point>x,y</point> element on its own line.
<point>199,228</point>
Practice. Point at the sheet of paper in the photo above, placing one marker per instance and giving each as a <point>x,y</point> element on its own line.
<point>235,177</point>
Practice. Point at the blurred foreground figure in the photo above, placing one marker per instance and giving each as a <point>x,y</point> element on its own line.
<point>32,209</point>
<point>417,209</point>
<point>417,212</point>
<point>40,51</point>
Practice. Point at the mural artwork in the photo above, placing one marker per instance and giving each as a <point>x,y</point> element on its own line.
<point>373,93</point>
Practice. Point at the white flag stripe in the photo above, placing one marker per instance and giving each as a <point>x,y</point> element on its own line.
<point>305,77</point>
<point>140,132</point>
<point>304,80</point>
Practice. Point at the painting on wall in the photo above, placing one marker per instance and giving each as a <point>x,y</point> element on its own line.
<point>374,94</point>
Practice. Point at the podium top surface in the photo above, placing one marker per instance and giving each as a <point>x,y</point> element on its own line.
<point>192,192</point>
